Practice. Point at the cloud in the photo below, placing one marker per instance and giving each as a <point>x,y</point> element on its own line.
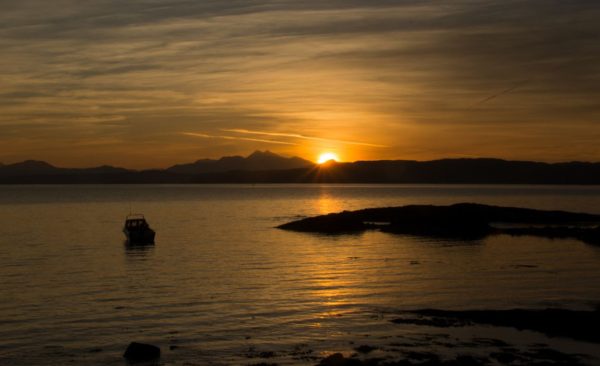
<point>195,134</point>
<point>299,136</point>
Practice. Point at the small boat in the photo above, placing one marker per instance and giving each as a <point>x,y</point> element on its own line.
<point>137,230</point>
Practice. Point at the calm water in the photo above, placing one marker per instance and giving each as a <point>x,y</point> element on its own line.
<point>221,282</point>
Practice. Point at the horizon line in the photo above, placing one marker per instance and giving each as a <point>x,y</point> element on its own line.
<point>4,165</point>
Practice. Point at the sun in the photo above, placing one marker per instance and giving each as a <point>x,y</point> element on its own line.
<point>327,156</point>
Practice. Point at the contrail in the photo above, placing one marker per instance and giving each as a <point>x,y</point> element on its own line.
<point>203,135</point>
<point>520,84</point>
<point>505,91</point>
<point>299,136</point>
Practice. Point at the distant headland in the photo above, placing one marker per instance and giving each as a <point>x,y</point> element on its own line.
<point>267,167</point>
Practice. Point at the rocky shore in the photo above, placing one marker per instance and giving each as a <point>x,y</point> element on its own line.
<point>439,344</point>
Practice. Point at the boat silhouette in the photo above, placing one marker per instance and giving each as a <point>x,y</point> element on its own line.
<point>137,230</point>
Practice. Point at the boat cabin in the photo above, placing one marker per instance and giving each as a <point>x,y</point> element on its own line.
<point>136,222</point>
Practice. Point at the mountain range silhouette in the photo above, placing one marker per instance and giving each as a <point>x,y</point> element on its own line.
<point>268,167</point>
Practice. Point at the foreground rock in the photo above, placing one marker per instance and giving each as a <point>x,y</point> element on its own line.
<point>466,221</point>
<point>578,325</point>
<point>137,352</point>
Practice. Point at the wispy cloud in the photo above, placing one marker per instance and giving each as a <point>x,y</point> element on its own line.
<point>299,136</point>
<point>204,135</point>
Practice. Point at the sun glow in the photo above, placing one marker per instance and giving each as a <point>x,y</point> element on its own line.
<point>325,157</point>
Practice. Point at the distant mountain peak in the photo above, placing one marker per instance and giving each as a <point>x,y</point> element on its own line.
<point>258,160</point>
<point>265,153</point>
<point>33,164</point>
<point>29,167</point>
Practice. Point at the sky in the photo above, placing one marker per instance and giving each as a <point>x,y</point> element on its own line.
<point>152,83</point>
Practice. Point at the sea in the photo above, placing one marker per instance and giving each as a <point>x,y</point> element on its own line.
<point>222,285</point>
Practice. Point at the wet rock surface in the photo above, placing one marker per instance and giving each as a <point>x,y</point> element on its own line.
<point>539,357</point>
<point>429,349</point>
<point>439,337</point>
<point>578,325</point>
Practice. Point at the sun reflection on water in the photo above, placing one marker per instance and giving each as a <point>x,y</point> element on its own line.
<point>327,204</point>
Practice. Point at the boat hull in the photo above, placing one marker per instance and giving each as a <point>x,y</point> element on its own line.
<point>140,236</point>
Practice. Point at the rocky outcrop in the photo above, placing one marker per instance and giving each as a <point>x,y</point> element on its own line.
<point>466,221</point>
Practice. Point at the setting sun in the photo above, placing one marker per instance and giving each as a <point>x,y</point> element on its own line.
<point>325,157</point>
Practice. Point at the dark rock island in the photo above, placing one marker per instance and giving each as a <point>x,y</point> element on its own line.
<point>466,221</point>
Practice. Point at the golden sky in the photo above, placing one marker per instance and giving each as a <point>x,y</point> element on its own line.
<point>151,83</point>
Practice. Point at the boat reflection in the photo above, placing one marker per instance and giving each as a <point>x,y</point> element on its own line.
<point>138,250</point>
